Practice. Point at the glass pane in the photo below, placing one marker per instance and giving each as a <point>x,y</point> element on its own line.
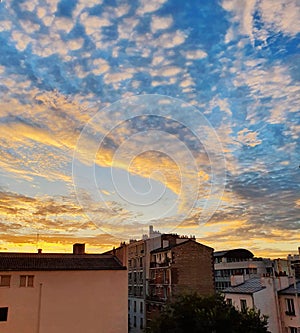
<point>5,280</point>
<point>23,281</point>
<point>30,281</point>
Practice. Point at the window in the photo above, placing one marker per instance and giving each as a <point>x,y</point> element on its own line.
<point>243,305</point>
<point>3,314</point>
<point>229,301</point>
<point>134,321</point>
<point>5,280</point>
<point>141,323</point>
<point>26,280</point>
<point>129,304</point>
<point>290,308</point>
<point>134,306</point>
<point>141,307</point>
<point>293,330</point>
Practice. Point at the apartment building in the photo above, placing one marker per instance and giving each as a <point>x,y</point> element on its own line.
<point>159,266</point>
<point>179,268</point>
<point>289,300</point>
<point>62,293</point>
<point>294,261</point>
<point>259,293</point>
<point>239,262</point>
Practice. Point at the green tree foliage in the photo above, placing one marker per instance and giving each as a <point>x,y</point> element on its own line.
<point>194,314</point>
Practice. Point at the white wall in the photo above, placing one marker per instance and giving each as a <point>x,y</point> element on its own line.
<point>236,300</point>
<point>71,302</point>
<point>265,300</point>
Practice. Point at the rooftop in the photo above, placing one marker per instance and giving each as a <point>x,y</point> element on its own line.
<point>57,262</point>
<point>250,286</point>
<point>162,249</point>
<point>291,290</point>
<point>234,253</point>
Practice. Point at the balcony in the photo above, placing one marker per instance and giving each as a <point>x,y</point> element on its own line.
<point>154,264</point>
<point>155,298</point>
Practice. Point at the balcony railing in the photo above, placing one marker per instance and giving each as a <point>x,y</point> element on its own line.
<point>158,265</point>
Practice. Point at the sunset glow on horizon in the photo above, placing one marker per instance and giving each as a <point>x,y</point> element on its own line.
<point>179,114</point>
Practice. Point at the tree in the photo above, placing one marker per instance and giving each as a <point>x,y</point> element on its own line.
<point>191,313</point>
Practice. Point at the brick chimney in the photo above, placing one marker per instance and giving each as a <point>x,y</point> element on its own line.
<point>78,248</point>
<point>236,280</point>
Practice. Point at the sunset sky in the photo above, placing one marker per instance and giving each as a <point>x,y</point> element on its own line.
<point>120,114</point>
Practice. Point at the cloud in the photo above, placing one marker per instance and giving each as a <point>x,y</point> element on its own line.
<point>149,7</point>
<point>160,23</point>
<point>248,138</point>
<point>280,17</point>
<point>195,54</point>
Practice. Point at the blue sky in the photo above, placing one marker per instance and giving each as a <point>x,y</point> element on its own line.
<point>118,114</point>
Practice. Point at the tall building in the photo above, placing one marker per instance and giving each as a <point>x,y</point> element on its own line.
<point>159,266</point>
<point>62,293</point>
<point>294,261</point>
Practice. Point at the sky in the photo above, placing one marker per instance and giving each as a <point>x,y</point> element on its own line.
<point>116,115</point>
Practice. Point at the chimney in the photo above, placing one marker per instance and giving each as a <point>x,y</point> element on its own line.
<point>78,248</point>
<point>236,280</point>
<point>39,251</point>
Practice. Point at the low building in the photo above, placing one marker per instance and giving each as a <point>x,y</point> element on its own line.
<point>62,293</point>
<point>258,293</point>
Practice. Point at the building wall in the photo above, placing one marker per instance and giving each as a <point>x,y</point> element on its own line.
<point>249,268</point>
<point>289,320</point>
<point>236,300</point>
<point>192,269</point>
<point>266,301</point>
<point>66,302</point>
<point>136,285</point>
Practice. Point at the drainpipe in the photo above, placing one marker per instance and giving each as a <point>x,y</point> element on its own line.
<point>278,317</point>
<point>39,309</point>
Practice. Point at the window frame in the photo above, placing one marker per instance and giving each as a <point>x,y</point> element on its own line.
<point>26,281</point>
<point>4,315</point>
<point>2,278</point>
<point>243,304</point>
<point>290,307</point>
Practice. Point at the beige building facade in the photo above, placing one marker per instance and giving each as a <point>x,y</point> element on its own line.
<point>73,293</point>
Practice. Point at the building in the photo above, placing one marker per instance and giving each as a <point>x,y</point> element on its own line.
<point>182,263</point>
<point>289,300</point>
<point>294,261</point>
<point>238,262</point>
<point>176,269</point>
<point>259,293</point>
<point>62,293</point>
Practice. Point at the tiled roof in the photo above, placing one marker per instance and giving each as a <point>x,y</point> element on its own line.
<point>250,286</point>
<point>54,262</point>
<point>291,290</point>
